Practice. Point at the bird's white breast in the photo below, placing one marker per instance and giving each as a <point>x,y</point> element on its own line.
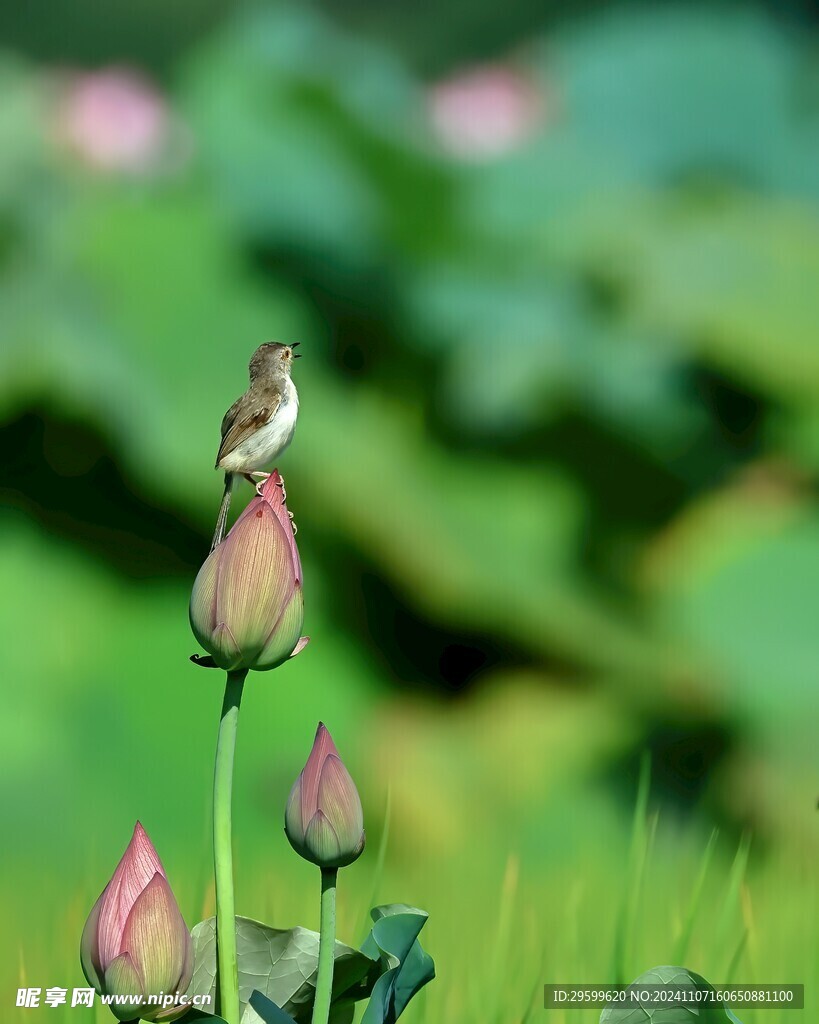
<point>266,444</point>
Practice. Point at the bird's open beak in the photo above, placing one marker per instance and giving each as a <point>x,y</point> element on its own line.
<point>296,355</point>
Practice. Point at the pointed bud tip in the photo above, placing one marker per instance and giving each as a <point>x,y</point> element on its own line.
<point>141,839</point>
<point>323,745</point>
<point>272,490</point>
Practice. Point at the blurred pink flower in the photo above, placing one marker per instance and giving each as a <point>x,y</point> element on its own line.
<point>484,111</point>
<point>114,120</point>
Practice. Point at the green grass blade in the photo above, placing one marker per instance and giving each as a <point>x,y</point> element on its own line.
<point>380,861</point>
<point>733,963</point>
<point>694,901</point>
<point>627,916</point>
<point>535,1010</point>
<point>494,998</point>
<point>727,923</point>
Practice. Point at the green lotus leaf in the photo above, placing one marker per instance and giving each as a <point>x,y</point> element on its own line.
<point>672,977</point>
<point>277,964</point>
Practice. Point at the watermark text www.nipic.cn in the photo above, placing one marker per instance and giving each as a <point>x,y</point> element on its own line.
<point>28,998</point>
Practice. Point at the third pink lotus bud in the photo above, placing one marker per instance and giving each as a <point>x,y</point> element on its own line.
<point>135,944</point>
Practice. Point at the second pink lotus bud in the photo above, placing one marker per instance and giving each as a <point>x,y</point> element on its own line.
<point>324,820</point>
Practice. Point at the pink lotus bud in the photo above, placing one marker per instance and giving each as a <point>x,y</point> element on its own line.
<point>135,942</point>
<point>324,820</point>
<point>247,608</point>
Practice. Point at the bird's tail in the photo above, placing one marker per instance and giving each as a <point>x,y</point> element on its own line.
<point>221,519</point>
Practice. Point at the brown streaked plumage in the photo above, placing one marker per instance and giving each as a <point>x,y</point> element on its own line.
<point>258,427</point>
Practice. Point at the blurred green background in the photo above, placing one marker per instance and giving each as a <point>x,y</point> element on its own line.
<point>555,272</point>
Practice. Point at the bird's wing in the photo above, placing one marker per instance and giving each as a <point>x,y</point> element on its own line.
<point>239,424</point>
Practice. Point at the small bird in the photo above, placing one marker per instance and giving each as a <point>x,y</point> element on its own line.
<point>260,425</point>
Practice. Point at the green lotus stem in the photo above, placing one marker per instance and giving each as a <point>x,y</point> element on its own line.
<point>223,850</point>
<point>327,944</point>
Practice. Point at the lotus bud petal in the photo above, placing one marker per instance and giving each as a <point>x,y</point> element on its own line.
<point>135,941</point>
<point>321,841</point>
<point>247,608</point>
<point>123,979</point>
<point>324,820</point>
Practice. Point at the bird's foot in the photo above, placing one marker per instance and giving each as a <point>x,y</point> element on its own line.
<point>257,479</point>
